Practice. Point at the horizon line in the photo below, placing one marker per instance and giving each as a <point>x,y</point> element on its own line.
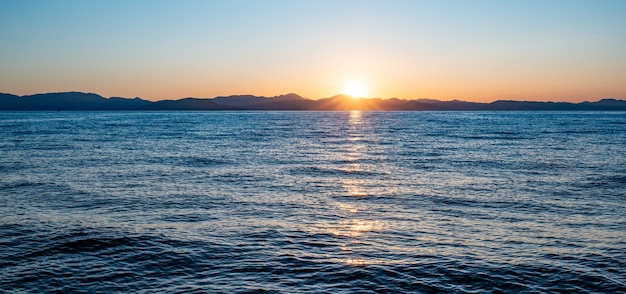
<point>315,99</point>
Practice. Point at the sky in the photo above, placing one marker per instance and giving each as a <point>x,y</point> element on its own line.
<point>540,50</point>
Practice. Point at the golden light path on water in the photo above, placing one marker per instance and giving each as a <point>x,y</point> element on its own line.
<point>356,226</point>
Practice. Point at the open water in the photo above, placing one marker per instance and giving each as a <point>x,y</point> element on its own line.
<point>313,202</point>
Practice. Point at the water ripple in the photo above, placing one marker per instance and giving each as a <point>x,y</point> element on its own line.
<point>312,202</point>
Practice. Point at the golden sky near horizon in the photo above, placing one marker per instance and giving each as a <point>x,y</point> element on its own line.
<point>468,50</point>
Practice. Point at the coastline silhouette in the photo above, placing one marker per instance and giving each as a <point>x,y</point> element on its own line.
<point>291,101</point>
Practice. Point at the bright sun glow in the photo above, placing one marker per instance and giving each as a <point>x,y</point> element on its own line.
<point>355,89</point>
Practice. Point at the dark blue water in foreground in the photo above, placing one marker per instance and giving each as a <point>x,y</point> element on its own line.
<point>336,202</point>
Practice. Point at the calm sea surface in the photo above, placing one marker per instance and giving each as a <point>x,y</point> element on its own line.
<point>317,202</point>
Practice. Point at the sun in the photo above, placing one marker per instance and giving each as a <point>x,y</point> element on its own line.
<point>355,89</point>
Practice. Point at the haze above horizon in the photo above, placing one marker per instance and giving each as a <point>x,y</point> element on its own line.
<point>474,51</point>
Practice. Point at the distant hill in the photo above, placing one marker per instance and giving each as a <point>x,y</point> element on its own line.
<point>90,101</point>
<point>69,101</point>
<point>184,104</point>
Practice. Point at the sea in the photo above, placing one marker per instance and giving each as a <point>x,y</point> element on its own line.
<point>312,202</point>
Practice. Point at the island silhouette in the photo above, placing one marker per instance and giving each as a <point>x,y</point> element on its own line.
<point>291,101</point>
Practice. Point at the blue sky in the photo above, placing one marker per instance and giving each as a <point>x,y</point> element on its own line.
<point>469,50</point>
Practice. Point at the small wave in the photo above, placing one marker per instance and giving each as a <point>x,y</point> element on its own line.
<point>319,171</point>
<point>20,184</point>
<point>616,181</point>
<point>188,218</point>
<point>188,161</point>
<point>195,161</point>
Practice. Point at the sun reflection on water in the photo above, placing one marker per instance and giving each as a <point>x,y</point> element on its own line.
<point>357,262</point>
<point>355,228</point>
<point>348,207</point>
<point>354,187</point>
<point>356,117</point>
<point>356,221</point>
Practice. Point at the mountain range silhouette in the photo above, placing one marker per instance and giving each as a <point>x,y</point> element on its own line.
<point>291,101</point>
